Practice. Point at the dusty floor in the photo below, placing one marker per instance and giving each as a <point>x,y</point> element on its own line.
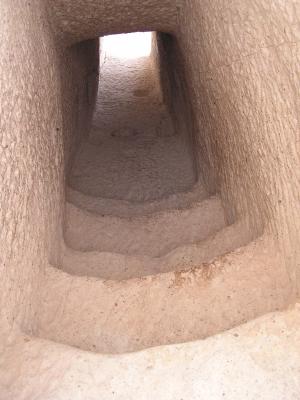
<point>258,360</point>
<point>116,316</point>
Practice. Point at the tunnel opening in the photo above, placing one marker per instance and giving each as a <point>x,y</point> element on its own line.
<point>126,45</point>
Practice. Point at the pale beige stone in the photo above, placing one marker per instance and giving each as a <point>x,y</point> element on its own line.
<point>193,231</point>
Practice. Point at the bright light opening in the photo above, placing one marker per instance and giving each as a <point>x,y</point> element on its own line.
<point>127,45</point>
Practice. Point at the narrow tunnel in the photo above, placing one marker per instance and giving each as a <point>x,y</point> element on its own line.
<point>133,152</point>
<point>139,211</point>
<point>148,195</point>
<point>136,172</point>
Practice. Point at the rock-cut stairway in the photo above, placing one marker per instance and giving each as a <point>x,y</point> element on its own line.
<point>148,258</point>
<point>157,272</point>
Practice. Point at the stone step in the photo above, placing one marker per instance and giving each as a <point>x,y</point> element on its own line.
<point>114,266</point>
<point>124,208</point>
<point>119,316</point>
<point>152,235</point>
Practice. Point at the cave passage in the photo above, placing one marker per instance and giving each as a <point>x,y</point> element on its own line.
<point>137,209</point>
<point>133,151</point>
<point>149,197</point>
<point>145,229</point>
